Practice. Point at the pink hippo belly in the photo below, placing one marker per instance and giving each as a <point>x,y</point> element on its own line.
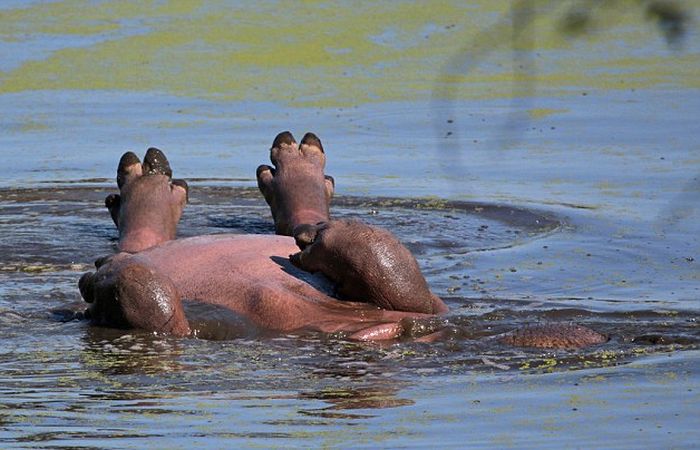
<point>251,275</point>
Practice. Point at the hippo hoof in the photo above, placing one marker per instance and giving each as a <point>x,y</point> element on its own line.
<point>155,163</point>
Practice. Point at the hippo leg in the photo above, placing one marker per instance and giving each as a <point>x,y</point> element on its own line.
<point>296,189</point>
<point>131,295</point>
<point>366,262</point>
<point>150,202</point>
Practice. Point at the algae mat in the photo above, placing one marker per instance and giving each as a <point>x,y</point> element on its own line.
<point>334,53</point>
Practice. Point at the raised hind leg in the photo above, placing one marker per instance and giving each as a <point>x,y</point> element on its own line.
<point>123,292</point>
<point>150,202</point>
<point>296,189</point>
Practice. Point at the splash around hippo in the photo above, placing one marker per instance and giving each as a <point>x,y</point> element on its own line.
<point>264,279</point>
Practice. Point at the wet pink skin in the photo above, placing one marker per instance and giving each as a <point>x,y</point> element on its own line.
<point>252,276</point>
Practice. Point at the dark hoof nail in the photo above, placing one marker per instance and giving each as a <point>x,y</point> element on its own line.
<point>312,139</point>
<point>113,203</point>
<point>304,235</point>
<point>112,200</point>
<point>155,163</point>
<point>85,284</point>
<point>262,169</point>
<point>99,262</point>
<point>295,259</point>
<point>183,184</point>
<point>127,160</point>
<point>284,137</point>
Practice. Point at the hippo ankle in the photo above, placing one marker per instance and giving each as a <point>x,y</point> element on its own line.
<point>142,239</point>
<point>307,217</point>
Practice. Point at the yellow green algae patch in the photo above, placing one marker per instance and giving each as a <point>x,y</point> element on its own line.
<point>541,113</point>
<point>329,53</point>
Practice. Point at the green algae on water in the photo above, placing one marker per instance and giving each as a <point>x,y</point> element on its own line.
<point>326,53</point>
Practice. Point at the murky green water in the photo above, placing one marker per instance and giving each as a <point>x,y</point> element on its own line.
<point>566,192</point>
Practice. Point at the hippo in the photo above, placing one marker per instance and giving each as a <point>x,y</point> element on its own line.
<point>315,274</point>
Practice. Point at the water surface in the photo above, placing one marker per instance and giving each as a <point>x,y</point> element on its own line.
<point>562,191</point>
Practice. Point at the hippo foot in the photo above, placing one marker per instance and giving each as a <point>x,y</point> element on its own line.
<point>296,189</point>
<point>150,202</point>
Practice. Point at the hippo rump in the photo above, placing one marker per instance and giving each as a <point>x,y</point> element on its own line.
<point>349,278</point>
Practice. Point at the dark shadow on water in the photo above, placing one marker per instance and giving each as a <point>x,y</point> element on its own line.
<point>243,225</point>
